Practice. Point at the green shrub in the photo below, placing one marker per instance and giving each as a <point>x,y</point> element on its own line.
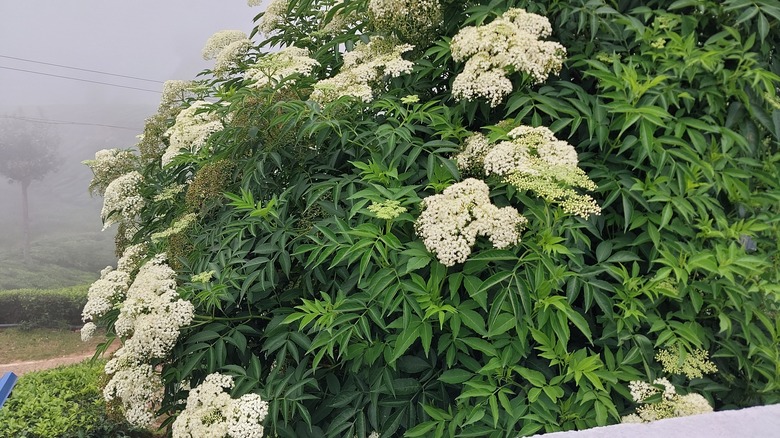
<point>312,284</point>
<point>43,308</point>
<point>65,402</point>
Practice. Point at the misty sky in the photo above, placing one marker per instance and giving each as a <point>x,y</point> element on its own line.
<point>152,39</point>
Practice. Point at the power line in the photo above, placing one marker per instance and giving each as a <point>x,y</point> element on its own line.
<point>81,69</point>
<point>79,79</point>
<point>65,122</point>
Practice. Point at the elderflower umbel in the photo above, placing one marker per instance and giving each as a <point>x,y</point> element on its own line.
<point>131,258</point>
<point>88,331</point>
<point>533,159</point>
<point>363,68</point>
<point>693,365</point>
<point>273,16</point>
<point>272,68</point>
<point>671,404</point>
<point>104,293</point>
<point>211,412</point>
<point>510,43</point>
<point>107,166</point>
<point>451,221</point>
<point>174,91</point>
<point>136,385</point>
<point>192,128</point>
<point>153,313</point>
<point>388,210</point>
<point>122,200</point>
<point>222,40</point>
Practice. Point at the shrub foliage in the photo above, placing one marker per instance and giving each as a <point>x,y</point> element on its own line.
<point>42,307</point>
<point>333,309</point>
<point>65,402</point>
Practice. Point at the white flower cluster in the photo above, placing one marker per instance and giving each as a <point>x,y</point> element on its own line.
<point>107,166</point>
<point>273,16</point>
<point>104,293</point>
<point>533,159</point>
<point>671,404</point>
<point>363,68</point>
<point>88,331</point>
<point>122,200</point>
<point>272,68</point>
<point>510,43</point>
<point>192,128</point>
<point>153,312</point>
<point>110,289</point>
<point>211,412</point>
<point>451,221</point>
<point>408,18</point>
<point>222,40</point>
<point>131,258</point>
<point>151,316</point>
<point>174,91</point>
<point>136,385</point>
<point>226,47</point>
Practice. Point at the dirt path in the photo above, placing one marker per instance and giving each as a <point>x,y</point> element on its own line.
<point>20,368</point>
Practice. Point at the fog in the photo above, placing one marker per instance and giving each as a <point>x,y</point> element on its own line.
<point>52,54</point>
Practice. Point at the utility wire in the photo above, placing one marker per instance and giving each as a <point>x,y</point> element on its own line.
<point>65,122</point>
<point>79,79</point>
<point>81,69</point>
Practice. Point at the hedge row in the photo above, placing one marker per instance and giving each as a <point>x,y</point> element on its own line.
<point>48,308</point>
<point>63,402</point>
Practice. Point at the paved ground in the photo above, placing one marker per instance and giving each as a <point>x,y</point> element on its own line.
<point>758,422</point>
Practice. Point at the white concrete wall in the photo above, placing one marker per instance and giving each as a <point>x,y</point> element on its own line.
<point>758,422</point>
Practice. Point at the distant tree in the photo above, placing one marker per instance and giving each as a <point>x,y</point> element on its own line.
<point>28,152</point>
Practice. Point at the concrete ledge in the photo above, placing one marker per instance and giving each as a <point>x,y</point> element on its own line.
<point>757,422</point>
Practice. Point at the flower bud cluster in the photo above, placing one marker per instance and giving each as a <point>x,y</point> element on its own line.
<point>363,69</point>
<point>192,128</point>
<point>211,412</point>
<point>408,18</point>
<point>451,221</point>
<point>693,365</point>
<point>122,200</point>
<point>510,43</point>
<point>389,209</point>
<point>272,68</point>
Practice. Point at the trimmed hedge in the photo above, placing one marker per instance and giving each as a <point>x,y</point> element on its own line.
<point>63,402</point>
<point>43,308</point>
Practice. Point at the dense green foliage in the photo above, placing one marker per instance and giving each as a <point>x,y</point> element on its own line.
<point>43,307</point>
<point>346,324</point>
<point>65,402</point>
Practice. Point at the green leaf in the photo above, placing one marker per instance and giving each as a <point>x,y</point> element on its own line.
<point>473,320</point>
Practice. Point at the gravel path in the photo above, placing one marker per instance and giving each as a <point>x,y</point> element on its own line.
<point>20,368</point>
